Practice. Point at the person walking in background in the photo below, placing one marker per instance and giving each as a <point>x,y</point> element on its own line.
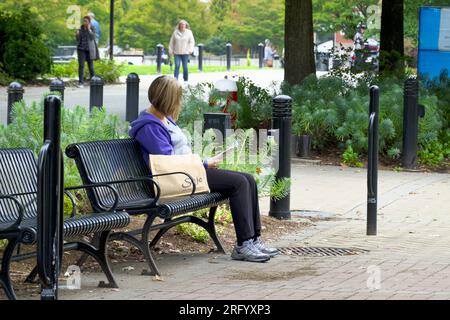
<point>268,54</point>
<point>96,25</point>
<point>87,49</point>
<point>359,44</point>
<point>181,45</point>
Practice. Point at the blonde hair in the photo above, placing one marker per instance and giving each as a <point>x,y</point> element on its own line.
<point>185,22</point>
<point>165,94</point>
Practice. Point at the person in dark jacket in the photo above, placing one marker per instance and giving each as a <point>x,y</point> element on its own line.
<point>158,134</point>
<point>87,49</point>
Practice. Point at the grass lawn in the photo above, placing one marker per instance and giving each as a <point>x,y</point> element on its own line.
<point>151,70</point>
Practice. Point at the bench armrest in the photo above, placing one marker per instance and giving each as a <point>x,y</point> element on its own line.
<point>17,223</point>
<point>73,201</point>
<point>140,179</point>
<point>92,186</point>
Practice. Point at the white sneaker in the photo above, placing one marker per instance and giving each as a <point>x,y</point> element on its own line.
<point>261,246</point>
<point>248,252</point>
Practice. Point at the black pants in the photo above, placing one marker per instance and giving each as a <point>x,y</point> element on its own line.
<point>84,56</point>
<point>243,193</point>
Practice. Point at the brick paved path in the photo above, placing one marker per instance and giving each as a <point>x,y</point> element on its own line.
<point>409,259</point>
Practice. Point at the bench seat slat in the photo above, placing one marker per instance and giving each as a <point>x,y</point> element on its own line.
<point>84,225</point>
<point>167,209</point>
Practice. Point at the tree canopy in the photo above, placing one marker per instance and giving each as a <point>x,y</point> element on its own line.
<point>145,23</point>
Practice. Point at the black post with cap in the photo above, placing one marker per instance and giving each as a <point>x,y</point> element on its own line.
<point>57,85</point>
<point>159,51</point>
<point>412,112</point>
<point>372,167</point>
<point>261,55</point>
<point>96,93</point>
<point>201,48</point>
<point>15,94</point>
<point>282,122</point>
<point>229,53</point>
<point>132,108</point>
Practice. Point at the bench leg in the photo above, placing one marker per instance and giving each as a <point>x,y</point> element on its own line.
<point>146,248</point>
<point>5,279</point>
<point>210,226</point>
<point>32,276</point>
<point>143,247</point>
<point>95,241</point>
<point>159,235</point>
<point>100,255</point>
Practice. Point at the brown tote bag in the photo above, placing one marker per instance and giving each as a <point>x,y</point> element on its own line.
<point>179,185</point>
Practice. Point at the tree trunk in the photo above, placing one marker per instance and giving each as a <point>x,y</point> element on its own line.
<point>392,37</point>
<point>299,41</point>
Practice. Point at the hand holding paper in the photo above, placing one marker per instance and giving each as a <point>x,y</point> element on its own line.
<point>214,161</point>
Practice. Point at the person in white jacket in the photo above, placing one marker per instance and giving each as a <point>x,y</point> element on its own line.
<point>181,45</point>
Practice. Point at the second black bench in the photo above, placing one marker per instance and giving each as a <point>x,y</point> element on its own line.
<point>120,163</point>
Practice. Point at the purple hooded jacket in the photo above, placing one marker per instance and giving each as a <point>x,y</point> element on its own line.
<point>153,136</point>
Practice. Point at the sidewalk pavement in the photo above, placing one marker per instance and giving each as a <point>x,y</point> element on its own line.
<point>409,259</point>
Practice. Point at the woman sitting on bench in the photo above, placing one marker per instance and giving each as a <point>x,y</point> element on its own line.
<point>157,133</point>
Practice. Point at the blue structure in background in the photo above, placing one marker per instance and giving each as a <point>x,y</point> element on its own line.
<point>434,41</point>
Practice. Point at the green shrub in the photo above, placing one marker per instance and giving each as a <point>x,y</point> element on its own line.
<point>434,154</point>
<point>108,70</point>
<point>194,231</point>
<point>335,113</point>
<point>65,70</point>
<point>23,52</point>
<point>5,79</point>
<point>351,158</point>
<point>254,106</point>
<point>216,45</point>
<point>195,104</point>
<point>223,218</point>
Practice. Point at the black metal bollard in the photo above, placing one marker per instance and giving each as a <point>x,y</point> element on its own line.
<point>96,94</point>
<point>229,52</point>
<point>201,47</point>
<point>159,51</point>
<point>412,111</point>
<point>261,55</point>
<point>132,109</point>
<point>219,121</point>
<point>282,121</point>
<point>372,170</point>
<point>15,94</point>
<point>50,201</point>
<point>57,85</point>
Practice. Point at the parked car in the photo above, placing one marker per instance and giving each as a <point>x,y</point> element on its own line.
<point>65,54</point>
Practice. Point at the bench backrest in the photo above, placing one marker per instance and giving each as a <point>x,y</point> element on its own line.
<point>114,160</point>
<point>18,175</point>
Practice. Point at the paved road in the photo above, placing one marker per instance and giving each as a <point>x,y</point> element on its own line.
<point>115,95</point>
<point>409,259</point>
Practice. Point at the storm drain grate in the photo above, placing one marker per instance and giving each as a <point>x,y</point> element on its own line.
<point>321,252</point>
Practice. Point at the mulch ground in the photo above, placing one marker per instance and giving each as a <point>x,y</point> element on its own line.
<point>172,243</point>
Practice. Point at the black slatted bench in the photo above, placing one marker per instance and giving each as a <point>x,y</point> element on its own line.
<point>18,216</point>
<point>120,163</point>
